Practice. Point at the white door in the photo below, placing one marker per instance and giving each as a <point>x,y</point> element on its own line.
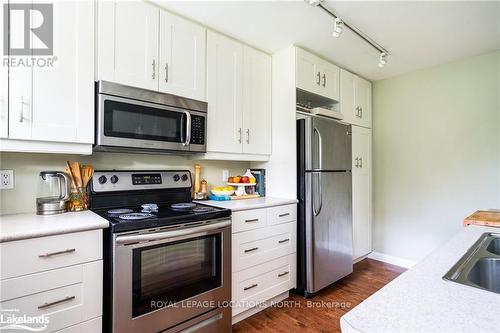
<point>362,97</point>
<point>256,102</point>
<point>308,75</point>
<point>361,191</point>
<point>128,33</point>
<point>182,57</point>
<point>347,106</point>
<point>329,80</point>
<point>4,92</point>
<point>224,94</point>
<point>63,95</point>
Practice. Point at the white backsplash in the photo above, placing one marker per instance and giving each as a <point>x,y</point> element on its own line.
<point>26,168</point>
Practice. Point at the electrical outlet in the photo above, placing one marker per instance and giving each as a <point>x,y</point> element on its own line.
<point>225,175</point>
<point>6,179</point>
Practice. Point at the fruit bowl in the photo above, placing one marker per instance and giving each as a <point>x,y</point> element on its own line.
<point>222,193</point>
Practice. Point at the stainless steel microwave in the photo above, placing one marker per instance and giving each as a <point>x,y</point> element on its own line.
<point>132,119</point>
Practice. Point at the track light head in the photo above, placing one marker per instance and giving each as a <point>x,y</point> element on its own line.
<point>382,59</point>
<point>313,3</point>
<point>337,27</point>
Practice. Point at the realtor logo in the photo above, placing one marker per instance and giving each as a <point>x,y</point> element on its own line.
<point>31,29</point>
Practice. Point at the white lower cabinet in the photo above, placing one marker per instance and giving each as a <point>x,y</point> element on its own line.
<point>361,191</point>
<point>264,254</point>
<point>65,286</point>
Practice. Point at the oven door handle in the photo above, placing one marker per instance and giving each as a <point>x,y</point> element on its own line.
<point>171,234</point>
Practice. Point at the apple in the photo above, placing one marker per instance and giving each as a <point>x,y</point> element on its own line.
<point>245,179</point>
<point>230,180</point>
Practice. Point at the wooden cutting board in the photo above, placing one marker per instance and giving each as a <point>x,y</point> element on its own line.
<point>484,217</point>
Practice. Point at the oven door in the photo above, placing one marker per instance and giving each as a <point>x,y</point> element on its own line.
<point>162,279</point>
<point>127,123</point>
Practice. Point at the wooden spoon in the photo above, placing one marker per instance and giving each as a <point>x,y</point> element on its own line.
<point>75,167</point>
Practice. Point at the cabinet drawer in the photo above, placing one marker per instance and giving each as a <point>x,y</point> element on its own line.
<point>254,247</point>
<point>262,282</point>
<point>281,214</point>
<point>90,326</point>
<point>249,219</point>
<point>67,296</point>
<point>44,253</point>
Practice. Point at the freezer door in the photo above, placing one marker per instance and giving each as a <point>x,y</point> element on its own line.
<point>328,228</point>
<point>331,144</point>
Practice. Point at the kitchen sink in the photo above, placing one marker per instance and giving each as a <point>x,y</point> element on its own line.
<point>480,265</point>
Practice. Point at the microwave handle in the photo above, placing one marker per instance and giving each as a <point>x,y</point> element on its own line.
<point>188,129</point>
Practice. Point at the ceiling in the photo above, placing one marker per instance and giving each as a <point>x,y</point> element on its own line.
<point>417,34</point>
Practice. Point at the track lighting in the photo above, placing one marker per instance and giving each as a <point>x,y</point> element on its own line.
<point>382,59</point>
<point>337,27</point>
<point>313,3</point>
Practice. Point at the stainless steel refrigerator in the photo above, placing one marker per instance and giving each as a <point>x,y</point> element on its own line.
<point>325,203</point>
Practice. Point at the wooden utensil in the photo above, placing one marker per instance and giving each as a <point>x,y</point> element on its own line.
<point>87,173</point>
<point>71,174</point>
<point>75,168</point>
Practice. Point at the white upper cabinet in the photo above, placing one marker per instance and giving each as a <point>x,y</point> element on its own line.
<point>224,94</point>
<point>56,103</point>
<point>239,97</point>
<point>182,57</point>
<point>356,99</point>
<point>361,191</point>
<point>256,102</point>
<point>128,33</point>
<point>316,75</point>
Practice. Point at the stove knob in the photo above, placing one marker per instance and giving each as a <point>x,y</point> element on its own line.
<point>114,179</point>
<point>184,177</point>
<point>176,178</point>
<point>102,180</point>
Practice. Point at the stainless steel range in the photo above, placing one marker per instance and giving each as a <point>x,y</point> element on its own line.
<point>167,260</point>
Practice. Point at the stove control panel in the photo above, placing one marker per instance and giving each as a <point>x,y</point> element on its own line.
<point>115,180</point>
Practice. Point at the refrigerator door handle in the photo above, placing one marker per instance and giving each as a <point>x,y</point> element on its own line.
<point>320,149</point>
<point>320,193</point>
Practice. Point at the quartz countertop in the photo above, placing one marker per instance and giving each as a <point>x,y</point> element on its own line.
<point>419,300</point>
<point>23,226</point>
<point>246,204</point>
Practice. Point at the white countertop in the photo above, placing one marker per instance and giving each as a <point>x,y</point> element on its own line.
<point>246,204</point>
<point>419,300</point>
<point>22,226</point>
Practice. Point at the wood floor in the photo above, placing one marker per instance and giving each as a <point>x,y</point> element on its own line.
<point>329,305</point>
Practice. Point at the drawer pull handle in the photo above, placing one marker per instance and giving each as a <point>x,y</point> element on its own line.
<point>252,220</point>
<point>252,249</point>
<point>66,299</point>
<point>283,215</point>
<point>284,241</point>
<point>48,255</point>
<point>283,274</point>
<point>250,287</point>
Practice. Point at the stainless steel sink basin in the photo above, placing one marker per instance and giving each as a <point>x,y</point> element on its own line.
<point>480,266</point>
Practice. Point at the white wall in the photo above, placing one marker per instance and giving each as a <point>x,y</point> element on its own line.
<point>26,168</point>
<point>436,135</point>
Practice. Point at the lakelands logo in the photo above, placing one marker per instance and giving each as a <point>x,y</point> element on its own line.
<point>28,39</point>
<point>10,319</point>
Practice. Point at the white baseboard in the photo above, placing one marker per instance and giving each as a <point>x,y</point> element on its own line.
<point>392,259</point>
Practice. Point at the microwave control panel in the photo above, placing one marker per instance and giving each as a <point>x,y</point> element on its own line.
<point>197,130</point>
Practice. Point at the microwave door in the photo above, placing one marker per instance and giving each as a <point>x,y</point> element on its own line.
<point>130,124</point>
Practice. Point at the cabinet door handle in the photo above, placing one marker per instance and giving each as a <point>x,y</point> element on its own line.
<point>283,274</point>
<point>66,299</point>
<point>360,112</point>
<point>283,215</point>
<point>250,287</point>
<point>248,136</point>
<point>21,114</point>
<point>251,250</point>
<point>357,162</point>
<point>283,241</point>
<point>239,133</point>
<point>166,72</point>
<point>251,220</point>
<point>48,255</point>
<point>324,80</point>
<point>361,162</point>
<point>154,69</point>
<point>318,81</point>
